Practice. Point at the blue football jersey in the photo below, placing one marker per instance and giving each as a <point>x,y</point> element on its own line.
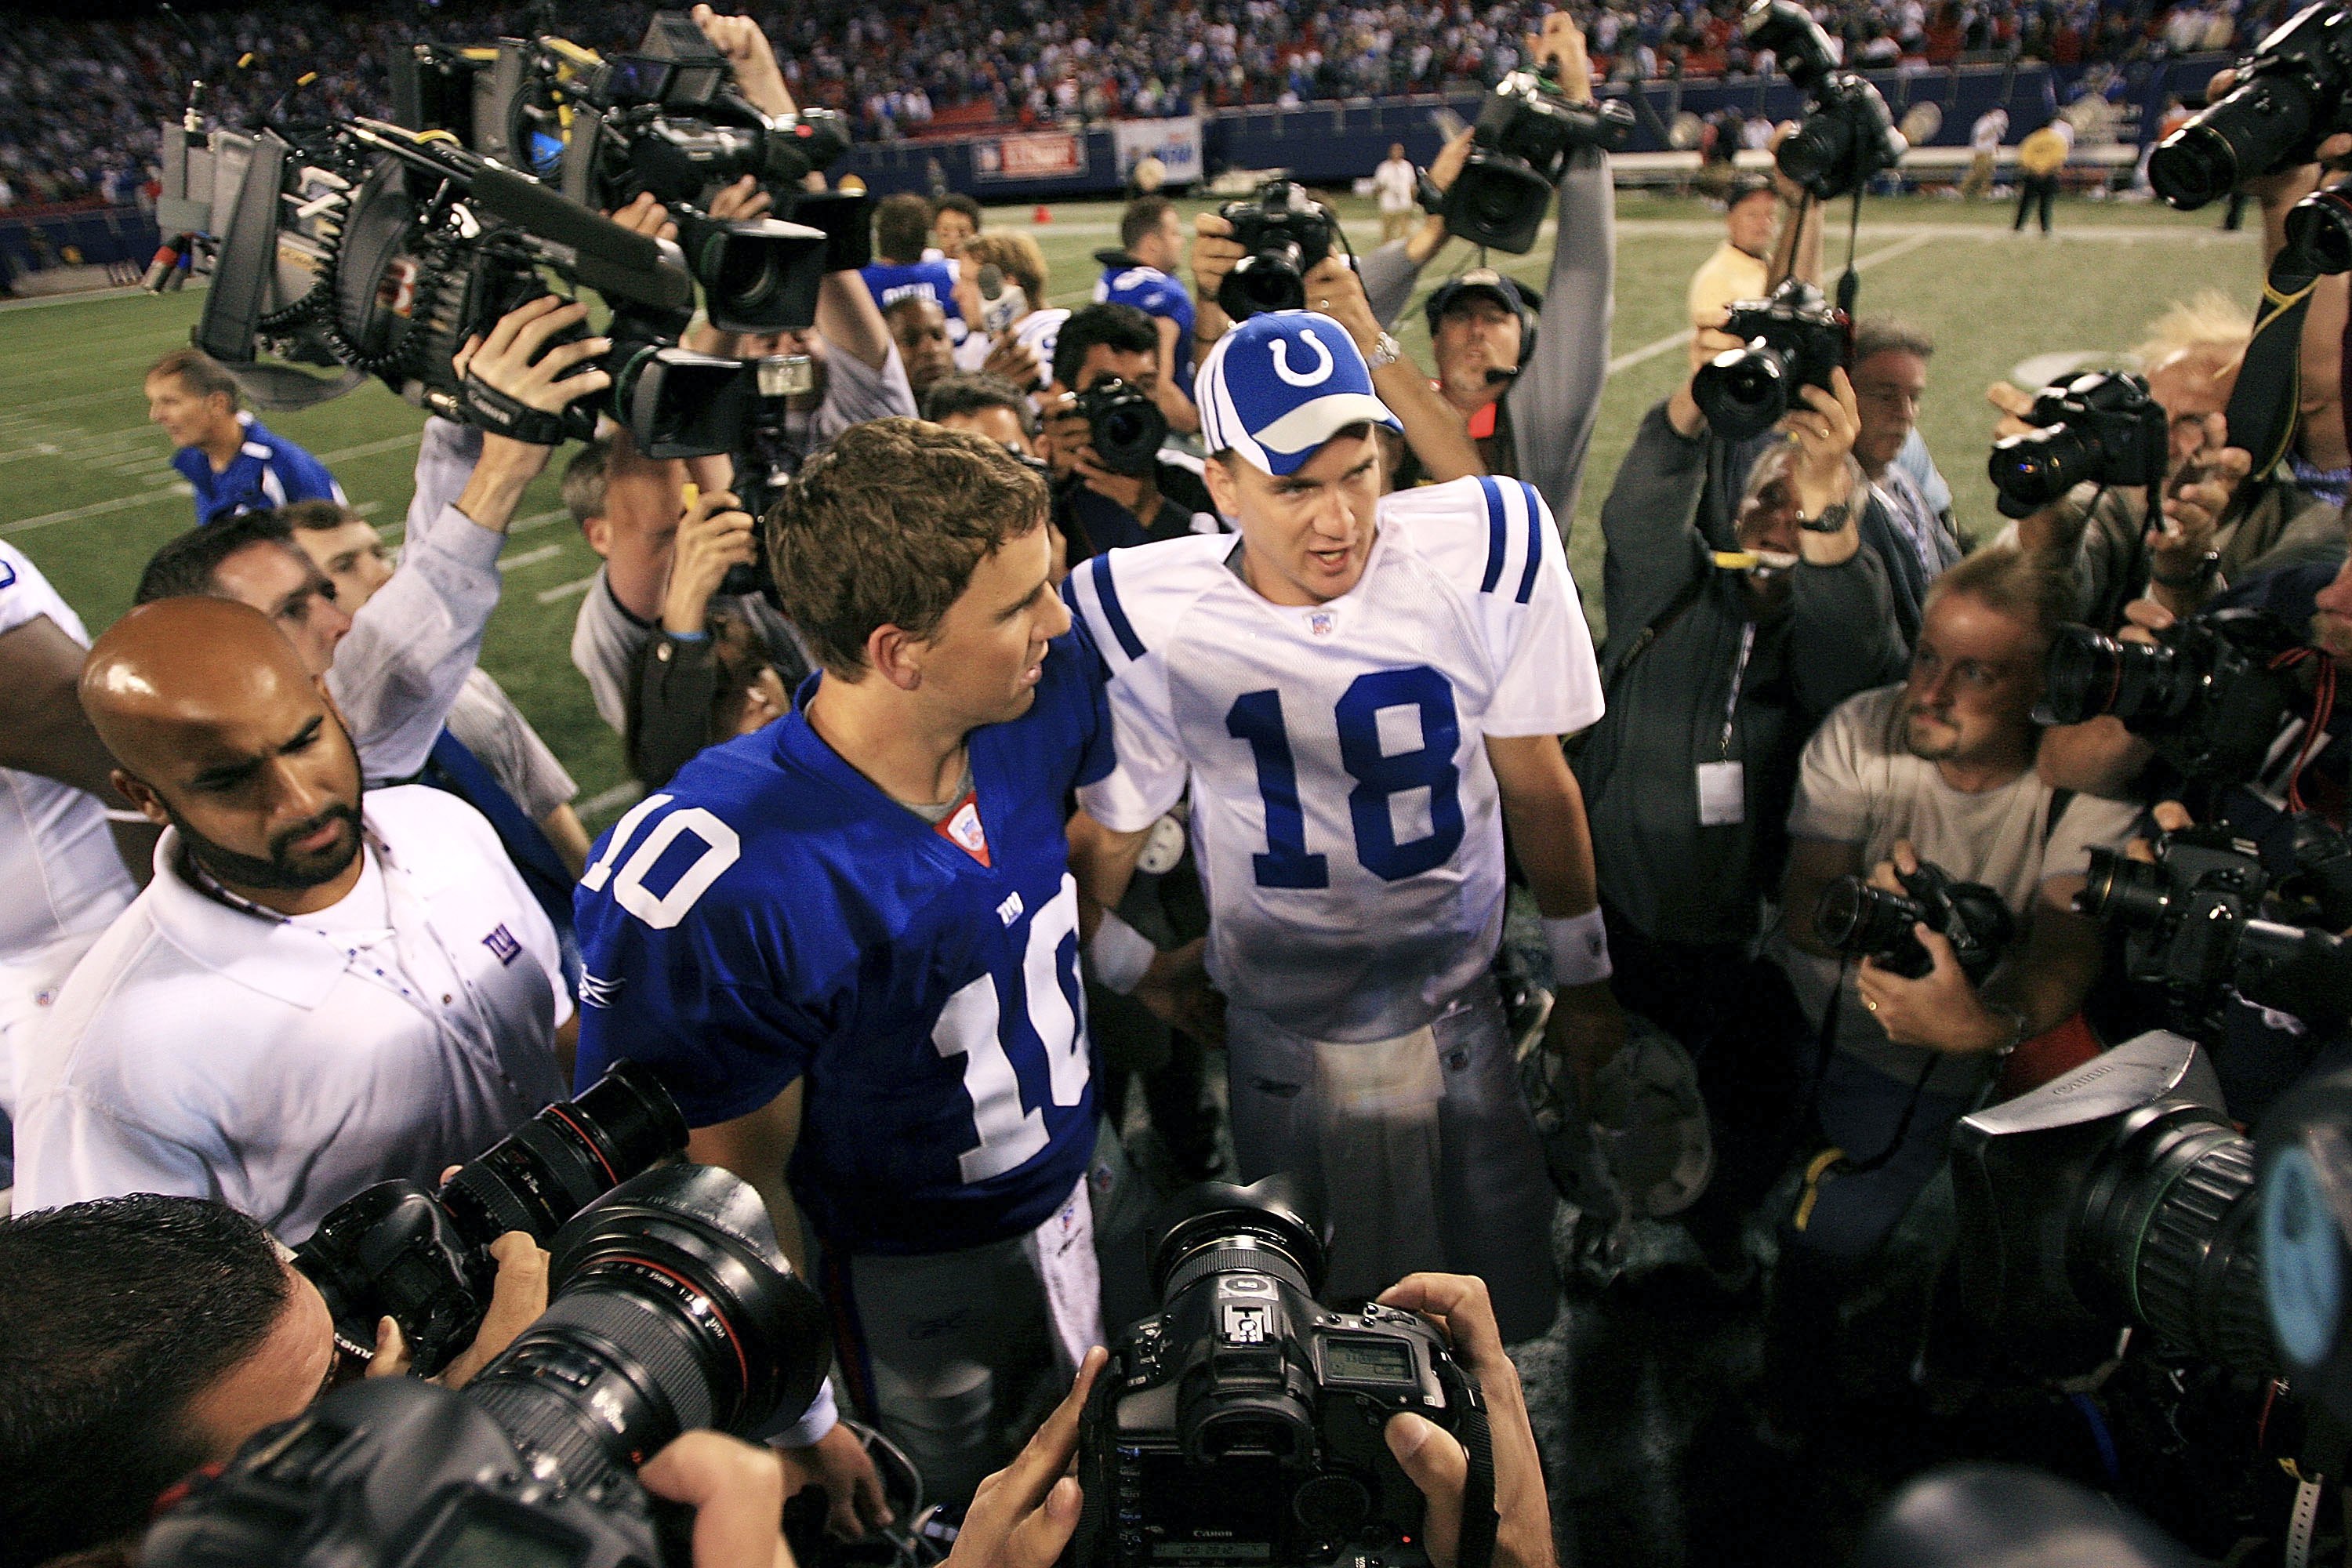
<point>1154,293</point>
<point>269,471</point>
<point>933,280</point>
<point>771,915</point>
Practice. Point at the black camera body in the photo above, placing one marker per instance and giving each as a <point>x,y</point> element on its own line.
<point>1847,134</point>
<point>1286,236</point>
<point>1796,338</point>
<point>2293,93</point>
<point>2209,694</point>
<point>2196,924</point>
<point>1519,147</point>
<point>671,1309</point>
<point>1242,1424</point>
<point>423,1258</point>
<point>2102,428</point>
<point>1124,426</point>
<point>1864,922</point>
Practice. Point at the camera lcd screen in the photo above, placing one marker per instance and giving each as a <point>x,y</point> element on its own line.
<point>1372,1360</point>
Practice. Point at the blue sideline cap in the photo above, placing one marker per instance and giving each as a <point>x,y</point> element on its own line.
<point>1280,384</point>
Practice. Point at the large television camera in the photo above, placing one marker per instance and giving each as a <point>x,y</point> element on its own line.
<point>671,1309</point>
<point>1847,134</point>
<point>1519,147</point>
<point>1242,1423</point>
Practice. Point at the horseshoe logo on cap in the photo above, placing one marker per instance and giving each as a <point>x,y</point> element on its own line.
<point>1316,377</point>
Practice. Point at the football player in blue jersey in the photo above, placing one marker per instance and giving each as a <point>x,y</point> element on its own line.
<point>1359,694</point>
<point>1142,273</point>
<point>849,942</point>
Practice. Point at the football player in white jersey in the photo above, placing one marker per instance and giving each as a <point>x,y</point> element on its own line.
<point>1361,693</point>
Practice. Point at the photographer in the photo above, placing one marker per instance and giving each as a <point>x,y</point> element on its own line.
<point>1095,508</point>
<point>1024,1515</point>
<point>1531,411</point>
<point>396,991</point>
<point>1938,769</point>
<point>396,667</point>
<point>141,1337</point>
<point>1714,678</point>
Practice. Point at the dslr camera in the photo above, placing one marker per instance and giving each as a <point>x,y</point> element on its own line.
<point>1794,339</point>
<point>2208,694</point>
<point>424,1259</point>
<point>2102,430</point>
<point>1864,922</point>
<point>671,1309</point>
<point>1518,150</point>
<point>1124,426</point>
<point>1286,235</point>
<point>1847,134</point>
<point>2206,920</point>
<point>1240,1424</point>
<point>2293,93</point>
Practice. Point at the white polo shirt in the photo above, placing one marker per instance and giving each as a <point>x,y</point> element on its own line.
<point>281,1066</point>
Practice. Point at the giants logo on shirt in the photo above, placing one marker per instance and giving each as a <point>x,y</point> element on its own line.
<point>502,942</point>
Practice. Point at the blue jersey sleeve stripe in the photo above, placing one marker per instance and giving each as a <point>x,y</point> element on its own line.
<point>1114,613</point>
<point>1535,542</point>
<point>1498,540</point>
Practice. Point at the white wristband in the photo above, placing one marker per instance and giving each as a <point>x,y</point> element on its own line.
<point>1120,955</point>
<point>821,1417</point>
<point>1580,948</point>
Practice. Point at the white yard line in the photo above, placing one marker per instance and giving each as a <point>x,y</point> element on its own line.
<point>1651,350</point>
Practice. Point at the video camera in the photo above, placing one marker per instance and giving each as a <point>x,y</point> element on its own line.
<point>1242,1423</point>
<point>1847,134</point>
<point>2209,694</point>
<point>1285,235</point>
<point>2102,428</point>
<point>2293,93</point>
<point>423,1259</point>
<point>1864,922</point>
<point>1794,339</point>
<point>2206,920</point>
<point>671,1309</point>
<point>1519,148</point>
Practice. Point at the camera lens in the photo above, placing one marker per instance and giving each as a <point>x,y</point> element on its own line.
<point>2248,132</point>
<point>1815,153</point>
<point>563,1159</point>
<point>2088,673</point>
<point>1267,281</point>
<point>1216,1225</point>
<point>1743,391</point>
<point>2320,226</point>
<point>2035,468</point>
<point>673,1310</point>
<point>2122,889</point>
<point>1855,918</point>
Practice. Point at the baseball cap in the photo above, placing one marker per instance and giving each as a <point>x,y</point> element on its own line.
<point>1514,297</point>
<point>1280,384</point>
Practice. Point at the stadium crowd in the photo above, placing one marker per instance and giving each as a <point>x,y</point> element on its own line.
<point>1187,685</point>
<point>1027,61</point>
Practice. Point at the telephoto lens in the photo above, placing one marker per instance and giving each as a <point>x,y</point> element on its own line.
<point>1855,918</point>
<point>2287,99</point>
<point>1864,922</point>
<point>423,1258</point>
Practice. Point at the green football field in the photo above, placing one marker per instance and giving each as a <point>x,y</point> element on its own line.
<point>86,488</point>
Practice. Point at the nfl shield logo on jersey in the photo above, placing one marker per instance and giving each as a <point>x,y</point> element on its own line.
<point>1322,622</point>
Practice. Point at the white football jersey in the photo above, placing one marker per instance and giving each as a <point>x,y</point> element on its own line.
<point>1344,814</point>
<point>57,855</point>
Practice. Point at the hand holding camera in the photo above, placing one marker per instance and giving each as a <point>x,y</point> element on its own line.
<point>716,536</point>
<point>1824,430</point>
<point>1927,943</point>
<point>751,58</point>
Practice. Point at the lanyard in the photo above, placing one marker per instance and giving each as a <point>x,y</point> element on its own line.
<point>1739,674</point>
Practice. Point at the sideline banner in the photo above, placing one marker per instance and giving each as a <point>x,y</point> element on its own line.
<point>1175,142</point>
<point>1039,155</point>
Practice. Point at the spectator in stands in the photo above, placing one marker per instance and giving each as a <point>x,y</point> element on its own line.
<point>2040,157</point>
<point>1739,269</point>
<point>955,218</point>
<point>1096,508</point>
<point>1142,273</point>
<point>1715,677</point>
<point>1014,335</point>
<point>919,327</point>
<point>1394,185</point>
<point>234,461</point>
<point>1940,769</point>
<point>1914,539</point>
<point>396,989</point>
<point>1530,407</point>
<point>900,270</point>
<point>395,668</point>
<point>1985,138</point>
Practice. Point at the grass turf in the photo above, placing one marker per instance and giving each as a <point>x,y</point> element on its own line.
<point>86,491</point>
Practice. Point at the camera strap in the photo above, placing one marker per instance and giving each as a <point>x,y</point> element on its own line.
<point>488,409</point>
<point>1475,1546</point>
<point>2263,404</point>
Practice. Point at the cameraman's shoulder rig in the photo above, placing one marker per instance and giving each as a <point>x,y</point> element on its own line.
<point>489,409</point>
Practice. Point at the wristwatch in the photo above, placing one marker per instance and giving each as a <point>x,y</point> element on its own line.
<point>1833,518</point>
<point>1386,350</point>
<point>2208,567</point>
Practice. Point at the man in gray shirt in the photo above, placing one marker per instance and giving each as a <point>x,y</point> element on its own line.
<point>632,509</point>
